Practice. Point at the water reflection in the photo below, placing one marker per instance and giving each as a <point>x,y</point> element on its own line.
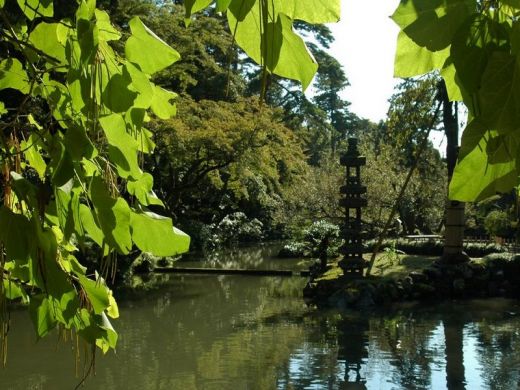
<point>243,332</point>
<point>352,349</point>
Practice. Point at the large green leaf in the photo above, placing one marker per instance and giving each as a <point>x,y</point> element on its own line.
<point>122,147</point>
<point>142,85</point>
<point>90,225</point>
<point>12,289</point>
<point>452,81</point>
<point>142,190</point>
<point>61,166</point>
<point>311,11</point>
<point>96,329</point>
<point>193,6</point>
<point>147,50</point>
<point>271,41</point>
<point>42,314</point>
<point>33,156</point>
<point>86,10</point>
<point>113,216</point>
<point>25,190</point>
<point>432,23</point>
<point>58,97</point>
<point>155,234</point>
<point>499,93</point>
<point>14,235</point>
<point>37,8</point>
<point>45,37</point>
<point>472,46</point>
<point>222,5</point>
<point>97,293</point>
<point>107,31</point>
<point>78,144</point>
<point>12,75</point>
<point>117,96</point>
<point>414,60</point>
<point>284,53</point>
<point>491,165</point>
<point>160,103</point>
<point>110,338</point>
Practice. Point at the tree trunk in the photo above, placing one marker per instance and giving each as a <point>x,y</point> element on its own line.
<point>455,222</point>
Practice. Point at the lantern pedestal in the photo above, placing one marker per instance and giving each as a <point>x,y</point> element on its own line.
<point>353,200</point>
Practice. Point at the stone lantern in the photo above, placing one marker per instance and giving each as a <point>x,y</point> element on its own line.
<point>353,200</point>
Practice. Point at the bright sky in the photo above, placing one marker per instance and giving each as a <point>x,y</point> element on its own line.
<point>365,46</point>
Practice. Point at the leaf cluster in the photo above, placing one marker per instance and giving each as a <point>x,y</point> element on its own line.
<point>474,45</point>
<point>72,140</point>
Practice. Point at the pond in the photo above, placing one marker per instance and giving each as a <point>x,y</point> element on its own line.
<point>248,332</point>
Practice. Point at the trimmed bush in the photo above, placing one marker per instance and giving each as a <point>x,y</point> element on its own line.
<point>433,247</point>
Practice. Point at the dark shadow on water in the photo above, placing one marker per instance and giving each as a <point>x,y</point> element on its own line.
<point>353,350</point>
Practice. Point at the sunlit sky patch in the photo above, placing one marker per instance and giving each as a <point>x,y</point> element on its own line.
<point>365,46</point>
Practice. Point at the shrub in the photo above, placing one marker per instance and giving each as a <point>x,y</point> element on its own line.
<point>293,249</point>
<point>497,223</point>
<point>232,229</point>
<point>313,235</point>
<point>433,247</point>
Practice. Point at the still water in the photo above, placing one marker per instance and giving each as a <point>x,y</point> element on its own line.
<point>246,332</point>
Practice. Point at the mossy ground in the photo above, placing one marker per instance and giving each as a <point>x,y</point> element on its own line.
<point>386,266</point>
<point>399,277</point>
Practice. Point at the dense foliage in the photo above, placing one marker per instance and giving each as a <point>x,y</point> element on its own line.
<point>474,45</point>
<point>72,142</point>
<point>80,100</point>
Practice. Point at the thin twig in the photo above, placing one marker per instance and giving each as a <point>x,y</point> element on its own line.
<point>421,149</point>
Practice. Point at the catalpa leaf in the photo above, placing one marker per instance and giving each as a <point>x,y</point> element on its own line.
<point>12,75</point>
<point>140,84</point>
<point>33,156</point>
<point>15,235</point>
<point>86,10</point>
<point>109,340</point>
<point>97,293</point>
<point>45,38</point>
<point>472,46</point>
<point>142,190</point>
<point>107,31</point>
<point>432,23</point>
<point>499,93</point>
<point>286,54</point>
<point>90,225</point>
<point>61,166</point>
<point>310,11</point>
<point>147,50</point>
<point>223,5</point>
<point>193,6</point>
<point>451,79</point>
<point>148,227</point>
<point>414,60</point>
<point>122,147</point>
<point>113,216</point>
<point>489,161</point>
<point>160,103</point>
<point>117,96</point>
<point>36,8</point>
<point>42,315</point>
<point>13,289</point>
